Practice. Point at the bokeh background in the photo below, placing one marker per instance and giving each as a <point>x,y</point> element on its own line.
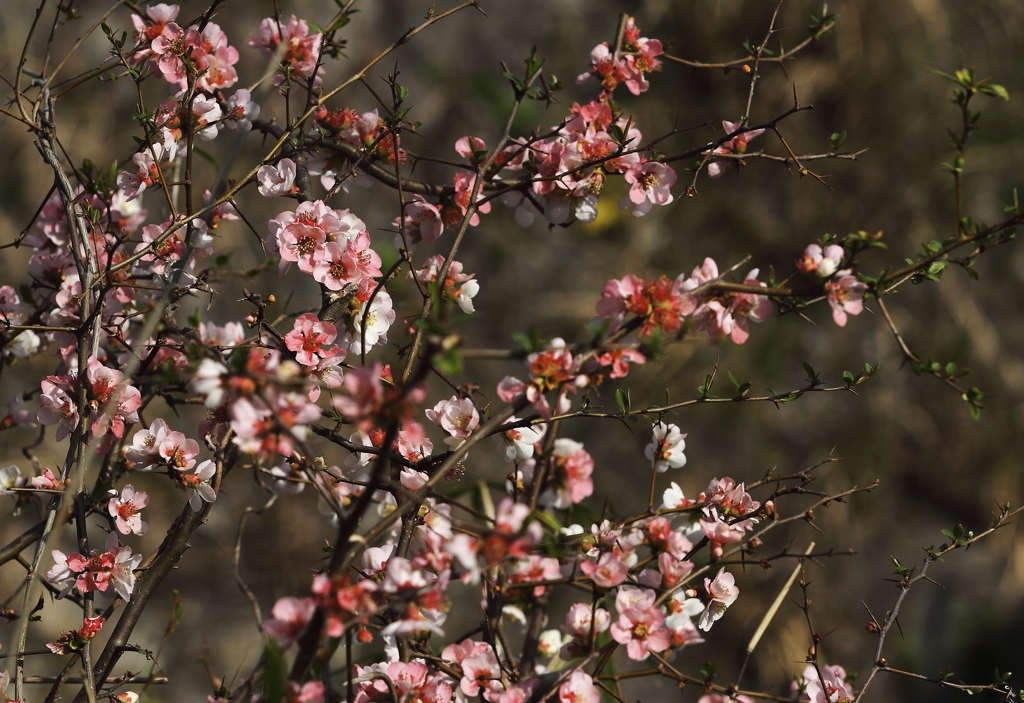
<point>872,78</point>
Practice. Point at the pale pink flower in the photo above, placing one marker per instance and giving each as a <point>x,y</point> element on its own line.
<point>518,444</point>
<point>640,624</point>
<point>579,688</point>
<point>608,572</point>
<point>178,451</point>
<point>57,404</point>
<point>509,516</point>
<point>844,296</point>
<point>834,689</point>
<point>458,417</point>
<point>277,180</point>
<point>198,485</point>
<point>241,111</point>
<point>723,592</point>
<point>125,510</point>
<point>481,673</point>
<point>289,618</point>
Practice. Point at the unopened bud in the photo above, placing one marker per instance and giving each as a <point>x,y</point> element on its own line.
<point>872,627</point>
<point>271,298</point>
<point>746,68</point>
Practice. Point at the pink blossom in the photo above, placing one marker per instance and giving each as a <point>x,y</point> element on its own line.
<point>422,221</point>
<point>351,262</point>
<point>579,688</point>
<point>833,689</point>
<point>241,111</point>
<point>481,673</point>
<point>301,50</point>
<point>289,618</point>
<point>649,185</point>
<point>198,485</point>
<point>125,510</point>
<point>170,49</point>
<point>277,180</point>
<point>48,481</point>
<point>309,339</point>
<point>178,451</point>
<point>458,417</point>
<point>57,404</point>
<point>723,593</point>
<point>147,173</point>
<point>574,467</point>
<point>518,443</point>
<point>640,624</point>
<point>112,402</point>
<point>608,572</point>
<point>844,296</point>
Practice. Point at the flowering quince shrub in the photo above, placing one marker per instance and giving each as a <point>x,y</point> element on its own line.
<point>100,307</point>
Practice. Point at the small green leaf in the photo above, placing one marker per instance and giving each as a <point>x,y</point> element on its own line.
<point>849,378</point>
<point>621,399</point>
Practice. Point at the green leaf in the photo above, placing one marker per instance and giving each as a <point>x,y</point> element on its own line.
<point>401,92</point>
<point>837,139</point>
<point>951,369</point>
<point>733,379</point>
<point>621,399</point>
<point>849,378</point>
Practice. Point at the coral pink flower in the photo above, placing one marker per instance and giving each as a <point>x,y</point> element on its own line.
<point>125,510</point>
<point>277,180</point>
<point>649,186</point>
<point>172,46</point>
<point>309,339</point>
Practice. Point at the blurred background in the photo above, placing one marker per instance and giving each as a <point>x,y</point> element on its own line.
<point>872,77</point>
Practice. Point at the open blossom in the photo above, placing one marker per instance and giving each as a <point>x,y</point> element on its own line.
<point>579,688</point>
<point>241,111</point>
<point>422,221</point>
<point>458,417</point>
<point>833,689</point>
<point>347,262</point>
<point>126,508</point>
<point>178,451</point>
<point>844,296</point>
<point>608,572</point>
<point>112,402</point>
<point>57,405</point>
<point>641,624</point>
<point>301,49</point>
<point>723,593</point>
<point>198,485</point>
<point>518,444</point>
<point>650,184</point>
<point>170,49</point>
<point>288,619</point>
<point>309,339</point>
<point>277,180</point>
<point>666,448</point>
